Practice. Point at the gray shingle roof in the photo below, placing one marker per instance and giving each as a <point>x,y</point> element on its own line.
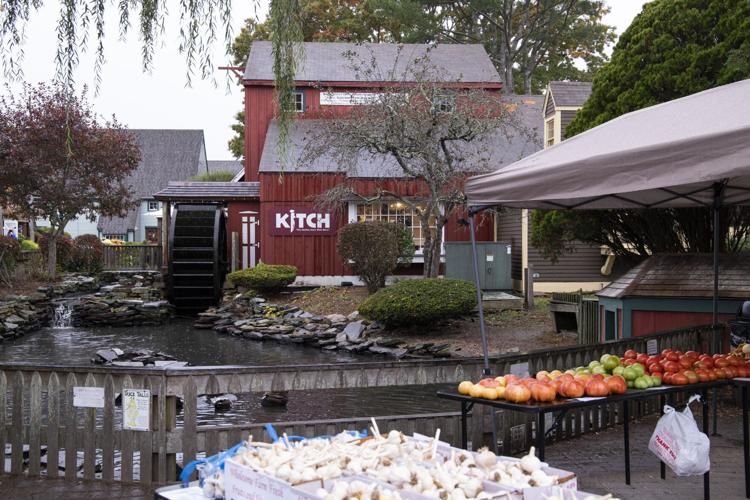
<point>328,62</point>
<point>498,148</point>
<point>192,191</point>
<point>166,155</point>
<point>233,166</point>
<point>683,276</point>
<point>572,94</point>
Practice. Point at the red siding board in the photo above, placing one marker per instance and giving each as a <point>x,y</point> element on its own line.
<point>316,255</point>
<point>646,322</point>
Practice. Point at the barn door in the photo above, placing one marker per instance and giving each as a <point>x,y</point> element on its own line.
<point>249,243</point>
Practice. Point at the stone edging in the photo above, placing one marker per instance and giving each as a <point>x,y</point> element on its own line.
<point>255,319</point>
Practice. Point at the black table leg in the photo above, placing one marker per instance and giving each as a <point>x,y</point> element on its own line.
<point>662,465</point>
<point>745,441</point>
<point>464,436</point>
<point>626,432</point>
<point>540,435</point>
<point>706,478</point>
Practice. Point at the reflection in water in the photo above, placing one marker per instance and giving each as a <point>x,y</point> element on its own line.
<point>77,346</point>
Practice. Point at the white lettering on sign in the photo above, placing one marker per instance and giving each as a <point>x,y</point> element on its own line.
<point>300,221</point>
<point>88,397</point>
<point>347,98</point>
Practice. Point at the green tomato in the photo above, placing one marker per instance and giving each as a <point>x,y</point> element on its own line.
<point>594,363</point>
<point>611,363</point>
<point>583,370</point>
<point>641,383</point>
<point>604,358</point>
<point>629,373</point>
<point>630,384</point>
<point>655,381</point>
<point>598,369</point>
<point>618,370</point>
<point>639,368</point>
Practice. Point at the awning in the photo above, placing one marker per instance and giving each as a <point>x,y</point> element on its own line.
<point>669,155</point>
<point>209,191</point>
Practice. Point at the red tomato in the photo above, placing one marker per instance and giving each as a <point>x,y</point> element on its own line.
<point>596,388</point>
<point>642,358</point>
<point>702,376</point>
<point>679,379</point>
<point>721,363</point>
<point>630,354</point>
<point>685,362</point>
<point>653,359</point>
<point>667,378</point>
<point>691,376</point>
<point>673,356</point>
<point>616,384</point>
<point>672,367</point>
<point>629,361</point>
<point>692,354</point>
<point>655,368</point>
<point>664,352</point>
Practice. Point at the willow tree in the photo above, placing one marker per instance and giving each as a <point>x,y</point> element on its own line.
<point>423,127</point>
<point>202,22</point>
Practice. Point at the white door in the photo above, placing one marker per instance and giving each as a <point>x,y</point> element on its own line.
<point>249,242</point>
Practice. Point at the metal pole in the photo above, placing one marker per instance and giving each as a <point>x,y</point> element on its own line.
<point>715,335</point>
<point>485,347</point>
<point>475,260</point>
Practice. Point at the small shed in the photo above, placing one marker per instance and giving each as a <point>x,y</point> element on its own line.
<point>671,291</point>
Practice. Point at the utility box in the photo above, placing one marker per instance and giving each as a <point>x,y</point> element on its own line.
<point>494,260</point>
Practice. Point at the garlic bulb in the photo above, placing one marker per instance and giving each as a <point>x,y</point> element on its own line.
<point>485,458</point>
<point>530,462</point>
<point>540,478</point>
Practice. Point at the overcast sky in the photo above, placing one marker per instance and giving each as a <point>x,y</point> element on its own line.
<point>161,99</point>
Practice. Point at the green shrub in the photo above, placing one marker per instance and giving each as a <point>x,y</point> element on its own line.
<point>264,277</point>
<point>372,250</point>
<point>420,301</point>
<point>87,254</point>
<point>29,245</point>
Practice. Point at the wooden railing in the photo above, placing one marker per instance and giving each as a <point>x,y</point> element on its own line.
<point>36,407</point>
<point>131,257</point>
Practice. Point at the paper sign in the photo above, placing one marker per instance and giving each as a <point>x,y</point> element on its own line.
<point>136,409</point>
<point>88,397</point>
<point>347,98</point>
<point>652,347</point>
<point>490,258</point>
<point>657,388</point>
<point>507,249</point>
<point>520,369</point>
<point>243,483</point>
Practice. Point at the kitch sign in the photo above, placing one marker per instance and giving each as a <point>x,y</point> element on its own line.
<point>302,221</point>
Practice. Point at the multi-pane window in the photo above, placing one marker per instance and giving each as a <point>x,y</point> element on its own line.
<point>153,206</point>
<point>397,212</point>
<point>550,133</point>
<point>299,101</point>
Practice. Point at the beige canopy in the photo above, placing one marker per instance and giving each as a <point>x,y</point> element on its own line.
<point>674,154</point>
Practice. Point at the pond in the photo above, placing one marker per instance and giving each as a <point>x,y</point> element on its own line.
<point>78,345</point>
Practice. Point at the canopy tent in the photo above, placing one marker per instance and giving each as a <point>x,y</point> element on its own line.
<point>689,152</point>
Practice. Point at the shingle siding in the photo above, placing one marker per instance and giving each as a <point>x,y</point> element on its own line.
<point>582,265</point>
<point>565,118</point>
<point>550,109</point>
<point>509,231</point>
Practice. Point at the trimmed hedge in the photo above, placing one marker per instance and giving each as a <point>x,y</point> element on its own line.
<point>87,254</point>
<point>29,245</point>
<point>420,301</point>
<point>264,277</point>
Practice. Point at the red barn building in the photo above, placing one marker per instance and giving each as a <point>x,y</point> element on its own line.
<point>282,225</point>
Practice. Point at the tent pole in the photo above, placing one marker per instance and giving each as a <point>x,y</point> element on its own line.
<point>475,261</point>
<point>485,348</point>
<point>715,335</point>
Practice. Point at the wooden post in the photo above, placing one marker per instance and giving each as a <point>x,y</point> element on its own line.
<point>530,286</point>
<point>170,416</point>
<point>165,225</point>
<point>235,250</point>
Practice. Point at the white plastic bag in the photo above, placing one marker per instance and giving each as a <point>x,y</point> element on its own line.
<point>678,442</point>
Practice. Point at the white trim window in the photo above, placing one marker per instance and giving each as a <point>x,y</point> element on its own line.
<point>153,206</point>
<point>549,133</point>
<point>299,101</point>
<point>396,212</point>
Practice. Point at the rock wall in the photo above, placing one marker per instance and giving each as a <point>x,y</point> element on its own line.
<point>254,319</point>
<point>22,315</point>
<point>105,310</point>
<point>143,285</point>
